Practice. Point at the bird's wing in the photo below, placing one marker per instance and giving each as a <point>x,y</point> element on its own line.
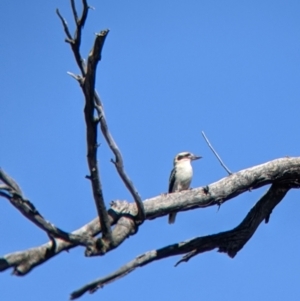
<point>172,180</point>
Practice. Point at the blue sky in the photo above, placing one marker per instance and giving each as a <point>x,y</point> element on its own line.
<point>169,70</point>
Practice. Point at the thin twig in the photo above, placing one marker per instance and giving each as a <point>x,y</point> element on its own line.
<point>65,25</point>
<point>229,242</point>
<point>76,40</point>
<point>77,77</point>
<point>77,37</point>
<point>118,162</point>
<point>75,15</point>
<point>218,157</point>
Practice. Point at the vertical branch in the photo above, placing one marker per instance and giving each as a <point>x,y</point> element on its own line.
<point>74,11</point>
<point>87,83</point>
<point>77,36</point>
<point>88,88</point>
<point>92,102</point>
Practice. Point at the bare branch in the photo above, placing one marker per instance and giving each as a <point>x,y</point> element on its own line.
<point>125,227</point>
<point>65,25</point>
<point>285,171</point>
<point>84,14</point>
<point>94,57</point>
<point>77,36</point>
<point>74,11</point>
<point>5,187</point>
<point>88,86</point>
<point>118,162</point>
<point>77,77</point>
<point>30,212</point>
<point>14,194</point>
<point>218,157</point>
<point>5,178</point>
<point>76,41</point>
<point>230,242</point>
<point>91,126</point>
<point>24,261</point>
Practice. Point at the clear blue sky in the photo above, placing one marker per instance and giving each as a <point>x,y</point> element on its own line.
<point>170,69</point>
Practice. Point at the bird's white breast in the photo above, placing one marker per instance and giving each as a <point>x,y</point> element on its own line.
<point>184,174</point>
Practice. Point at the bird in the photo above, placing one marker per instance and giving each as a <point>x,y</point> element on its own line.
<point>181,175</point>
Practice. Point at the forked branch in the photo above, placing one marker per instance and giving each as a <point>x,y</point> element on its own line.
<point>229,242</point>
<point>87,81</point>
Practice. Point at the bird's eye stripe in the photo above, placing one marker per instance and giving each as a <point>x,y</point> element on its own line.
<point>180,157</point>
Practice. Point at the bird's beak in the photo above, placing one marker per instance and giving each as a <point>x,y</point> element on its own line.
<point>193,157</point>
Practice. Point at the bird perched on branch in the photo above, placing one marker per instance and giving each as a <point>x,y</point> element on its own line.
<point>181,175</point>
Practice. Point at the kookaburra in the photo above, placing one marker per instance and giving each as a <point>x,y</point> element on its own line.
<point>181,175</point>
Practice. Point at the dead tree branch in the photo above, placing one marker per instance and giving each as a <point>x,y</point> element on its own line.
<point>87,82</point>
<point>24,261</point>
<point>91,127</point>
<point>11,184</point>
<point>118,162</point>
<point>75,41</point>
<point>12,192</point>
<point>74,11</point>
<point>69,38</point>
<point>283,171</point>
<point>88,86</point>
<point>229,242</point>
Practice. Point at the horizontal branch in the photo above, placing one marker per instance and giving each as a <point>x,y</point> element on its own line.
<point>12,192</point>
<point>24,261</point>
<point>29,211</point>
<point>229,242</point>
<point>284,170</point>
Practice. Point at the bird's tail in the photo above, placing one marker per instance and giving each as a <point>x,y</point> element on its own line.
<point>172,217</point>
